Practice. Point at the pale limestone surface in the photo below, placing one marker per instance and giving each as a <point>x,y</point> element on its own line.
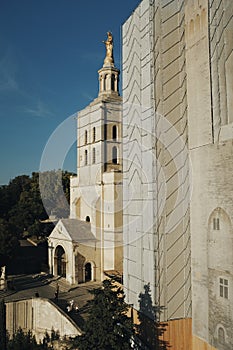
<point>177,154</point>
<point>38,316</point>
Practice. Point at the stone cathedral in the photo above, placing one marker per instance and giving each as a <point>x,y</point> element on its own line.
<point>155,172</point>
<point>89,243</point>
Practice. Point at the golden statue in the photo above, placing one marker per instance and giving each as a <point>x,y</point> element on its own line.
<point>109,50</point>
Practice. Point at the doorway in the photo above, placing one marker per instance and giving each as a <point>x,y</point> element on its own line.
<point>60,261</point>
<point>88,272</point>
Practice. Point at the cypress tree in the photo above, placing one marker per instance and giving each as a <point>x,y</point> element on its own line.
<point>108,326</point>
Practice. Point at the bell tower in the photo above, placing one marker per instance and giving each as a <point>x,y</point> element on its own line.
<point>96,193</point>
<point>108,74</point>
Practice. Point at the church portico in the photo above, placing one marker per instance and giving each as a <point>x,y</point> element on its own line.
<point>72,246</point>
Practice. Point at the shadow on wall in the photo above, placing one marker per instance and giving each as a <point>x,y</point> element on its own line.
<point>150,331</point>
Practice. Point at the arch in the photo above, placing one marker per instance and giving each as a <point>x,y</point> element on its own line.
<point>113,82</point>
<point>220,240</point>
<point>203,18</point>
<point>114,132</point>
<point>219,220</point>
<point>89,271</point>
<point>88,218</point>
<point>191,27</point>
<point>198,23</point>
<point>60,261</point>
<point>114,155</point>
<point>221,334</point>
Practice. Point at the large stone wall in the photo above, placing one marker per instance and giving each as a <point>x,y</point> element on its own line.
<point>38,315</point>
<point>156,170</point>
<point>209,93</point>
<point>177,150</point>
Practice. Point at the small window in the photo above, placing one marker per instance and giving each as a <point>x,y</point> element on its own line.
<point>114,155</point>
<point>93,156</point>
<point>85,157</point>
<point>93,134</point>
<point>88,219</point>
<point>85,137</point>
<point>216,224</point>
<point>105,132</point>
<point>114,132</point>
<point>221,335</point>
<point>113,82</point>
<point>223,288</point>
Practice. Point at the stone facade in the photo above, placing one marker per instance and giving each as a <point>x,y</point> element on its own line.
<point>38,315</point>
<point>91,240</point>
<point>177,151</point>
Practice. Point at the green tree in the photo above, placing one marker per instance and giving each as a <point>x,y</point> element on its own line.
<point>108,326</point>
<point>150,330</point>
<point>8,241</point>
<point>26,341</point>
<point>2,325</point>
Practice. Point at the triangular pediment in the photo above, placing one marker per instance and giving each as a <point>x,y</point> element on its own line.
<point>60,232</point>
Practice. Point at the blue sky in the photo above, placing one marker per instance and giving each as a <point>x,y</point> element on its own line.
<point>50,52</point>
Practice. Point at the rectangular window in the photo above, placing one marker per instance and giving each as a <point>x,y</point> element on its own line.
<point>93,156</point>
<point>85,157</point>
<point>223,288</point>
<point>93,134</point>
<point>85,141</point>
<point>216,224</point>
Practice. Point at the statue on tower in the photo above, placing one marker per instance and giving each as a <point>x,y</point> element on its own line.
<point>109,61</point>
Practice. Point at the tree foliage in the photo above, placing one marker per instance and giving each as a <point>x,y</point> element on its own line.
<point>22,208</point>
<point>27,341</point>
<point>108,326</point>
<point>149,330</point>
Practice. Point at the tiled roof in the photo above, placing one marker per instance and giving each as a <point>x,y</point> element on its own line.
<point>78,230</point>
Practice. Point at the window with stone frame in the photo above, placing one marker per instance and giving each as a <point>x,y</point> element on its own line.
<point>85,141</point>
<point>223,288</point>
<point>93,156</point>
<point>216,224</point>
<point>86,161</point>
<point>114,155</point>
<point>114,132</point>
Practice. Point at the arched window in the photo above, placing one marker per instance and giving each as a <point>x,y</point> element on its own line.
<point>93,156</point>
<point>114,132</point>
<point>60,261</point>
<point>85,141</point>
<point>88,218</point>
<point>113,82</point>
<point>85,157</point>
<point>93,134</point>
<point>114,155</point>
<point>221,335</point>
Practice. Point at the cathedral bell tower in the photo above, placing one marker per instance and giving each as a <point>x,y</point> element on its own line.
<point>108,74</point>
<point>96,192</point>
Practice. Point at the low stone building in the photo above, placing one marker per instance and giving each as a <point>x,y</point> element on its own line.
<point>76,251</point>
